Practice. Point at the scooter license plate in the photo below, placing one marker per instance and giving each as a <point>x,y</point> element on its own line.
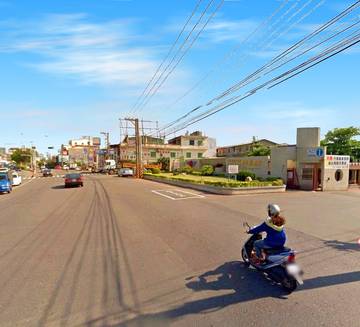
<point>293,269</point>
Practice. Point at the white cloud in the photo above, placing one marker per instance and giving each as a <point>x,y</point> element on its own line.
<point>101,53</point>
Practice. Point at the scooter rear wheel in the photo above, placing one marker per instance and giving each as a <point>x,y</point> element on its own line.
<point>289,284</point>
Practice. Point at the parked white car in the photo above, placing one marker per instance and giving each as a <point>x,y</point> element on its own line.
<point>17,180</point>
<point>122,172</point>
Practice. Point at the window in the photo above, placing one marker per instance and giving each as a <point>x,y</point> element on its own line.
<point>192,142</point>
<point>200,155</point>
<point>307,173</point>
<point>200,143</point>
<point>188,154</point>
<point>153,154</point>
<point>172,154</point>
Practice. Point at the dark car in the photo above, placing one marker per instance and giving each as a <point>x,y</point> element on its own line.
<point>47,172</point>
<point>74,179</point>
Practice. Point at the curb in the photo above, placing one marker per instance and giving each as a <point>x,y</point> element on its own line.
<point>220,190</point>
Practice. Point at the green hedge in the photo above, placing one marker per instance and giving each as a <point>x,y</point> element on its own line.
<point>188,179</point>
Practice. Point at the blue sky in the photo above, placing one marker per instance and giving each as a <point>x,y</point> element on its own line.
<point>72,68</point>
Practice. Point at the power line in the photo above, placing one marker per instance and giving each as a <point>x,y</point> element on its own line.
<point>148,93</point>
<point>330,52</point>
<point>249,79</point>
<point>168,54</point>
<point>184,53</point>
<point>231,52</point>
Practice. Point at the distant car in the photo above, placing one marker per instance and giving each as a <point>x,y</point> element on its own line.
<point>124,172</point>
<point>17,180</point>
<point>66,167</point>
<point>47,172</point>
<point>5,183</point>
<point>74,179</point>
<point>78,168</point>
<point>57,167</point>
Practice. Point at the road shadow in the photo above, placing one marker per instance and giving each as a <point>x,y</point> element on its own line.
<point>331,280</point>
<point>343,246</point>
<point>58,187</point>
<point>243,284</point>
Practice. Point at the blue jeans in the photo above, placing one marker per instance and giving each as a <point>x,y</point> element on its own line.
<point>259,245</point>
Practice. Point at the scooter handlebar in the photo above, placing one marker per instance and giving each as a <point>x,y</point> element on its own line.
<point>246,227</point>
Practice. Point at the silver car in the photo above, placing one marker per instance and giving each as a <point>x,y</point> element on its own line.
<point>123,172</point>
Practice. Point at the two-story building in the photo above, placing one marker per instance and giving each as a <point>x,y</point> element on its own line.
<point>185,147</point>
<point>241,150</point>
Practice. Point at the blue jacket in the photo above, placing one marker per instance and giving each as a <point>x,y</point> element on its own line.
<point>275,235</point>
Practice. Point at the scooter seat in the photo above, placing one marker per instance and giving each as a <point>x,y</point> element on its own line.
<point>277,250</point>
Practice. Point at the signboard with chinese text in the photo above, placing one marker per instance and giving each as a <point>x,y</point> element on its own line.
<point>337,162</point>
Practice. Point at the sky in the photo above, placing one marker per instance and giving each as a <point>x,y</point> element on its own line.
<point>73,68</point>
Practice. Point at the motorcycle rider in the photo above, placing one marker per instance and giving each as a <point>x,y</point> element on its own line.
<point>275,233</point>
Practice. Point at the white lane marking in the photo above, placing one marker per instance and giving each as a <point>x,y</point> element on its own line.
<point>194,194</point>
<point>166,196</point>
<point>179,194</point>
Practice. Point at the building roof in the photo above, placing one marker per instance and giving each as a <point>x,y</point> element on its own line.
<point>250,143</point>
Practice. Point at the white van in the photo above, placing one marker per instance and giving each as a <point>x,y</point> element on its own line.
<point>17,180</point>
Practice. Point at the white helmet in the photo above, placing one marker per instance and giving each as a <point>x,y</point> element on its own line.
<point>273,210</point>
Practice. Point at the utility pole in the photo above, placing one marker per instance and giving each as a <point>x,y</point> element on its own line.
<point>138,141</point>
<point>107,141</point>
<point>138,147</point>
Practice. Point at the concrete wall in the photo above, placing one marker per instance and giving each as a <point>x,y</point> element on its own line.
<point>260,165</point>
<point>332,164</point>
<point>307,137</point>
<point>282,158</point>
<point>331,184</point>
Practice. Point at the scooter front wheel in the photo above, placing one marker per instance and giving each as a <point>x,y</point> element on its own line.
<point>245,257</point>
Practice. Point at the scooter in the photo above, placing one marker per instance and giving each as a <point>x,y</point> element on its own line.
<point>279,263</point>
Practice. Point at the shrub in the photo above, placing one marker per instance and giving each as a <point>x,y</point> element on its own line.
<point>196,173</point>
<point>187,170</point>
<point>241,176</point>
<point>155,171</point>
<point>176,172</point>
<point>272,179</point>
<point>207,170</point>
<point>278,182</point>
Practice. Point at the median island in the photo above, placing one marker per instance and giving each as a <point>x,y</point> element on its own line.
<point>217,184</point>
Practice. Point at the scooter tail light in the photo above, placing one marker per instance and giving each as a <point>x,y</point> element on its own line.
<point>291,258</point>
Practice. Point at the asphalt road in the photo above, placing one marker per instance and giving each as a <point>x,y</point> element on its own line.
<point>124,252</point>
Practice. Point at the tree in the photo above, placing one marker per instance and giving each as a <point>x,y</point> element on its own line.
<point>341,141</point>
<point>21,156</point>
<point>259,150</point>
<point>165,163</point>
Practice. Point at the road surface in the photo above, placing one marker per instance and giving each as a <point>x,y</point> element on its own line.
<point>126,252</point>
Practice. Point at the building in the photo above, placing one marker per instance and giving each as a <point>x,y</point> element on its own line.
<point>354,174</point>
<point>182,148</point>
<point>241,150</point>
<point>305,165</point>
<point>82,151</point>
